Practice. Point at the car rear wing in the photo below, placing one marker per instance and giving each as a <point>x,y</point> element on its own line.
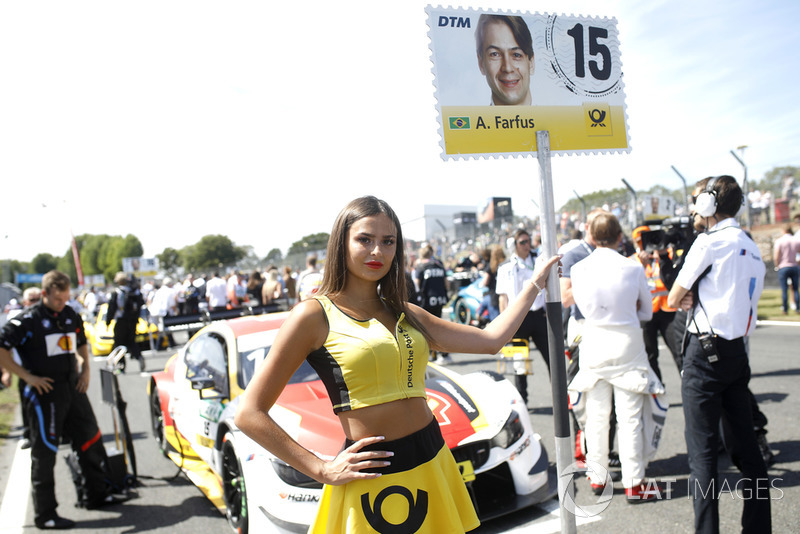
<point>196,321</point>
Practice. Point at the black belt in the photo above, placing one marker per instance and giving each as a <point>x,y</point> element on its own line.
<point>410,451</point>
<point>719,338</point>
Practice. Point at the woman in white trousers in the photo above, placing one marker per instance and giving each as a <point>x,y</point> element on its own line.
<point>612,293</point>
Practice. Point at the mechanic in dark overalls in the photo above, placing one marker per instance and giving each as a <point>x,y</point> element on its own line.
<point>51,343</point>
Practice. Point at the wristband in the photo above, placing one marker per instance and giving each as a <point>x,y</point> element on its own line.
<point>534,284</point>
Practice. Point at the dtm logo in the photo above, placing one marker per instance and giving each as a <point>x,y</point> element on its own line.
<point>455,22</point>
<point>417,511</point>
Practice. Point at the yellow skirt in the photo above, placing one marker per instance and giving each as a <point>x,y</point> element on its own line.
<point>421,491</point>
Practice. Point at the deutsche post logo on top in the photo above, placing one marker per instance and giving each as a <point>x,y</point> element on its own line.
<point>597,117</point>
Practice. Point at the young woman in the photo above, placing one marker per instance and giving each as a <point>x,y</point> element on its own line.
<point>254,285</point>
<point>491,301</point>
<point>369,346</point>
<point>272,288</point>
<point>612,293</point>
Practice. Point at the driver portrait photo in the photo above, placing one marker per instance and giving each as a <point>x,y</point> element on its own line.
<point>505,57</point>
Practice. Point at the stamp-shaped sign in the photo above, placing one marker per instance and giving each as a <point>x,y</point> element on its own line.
<point>500,77</point>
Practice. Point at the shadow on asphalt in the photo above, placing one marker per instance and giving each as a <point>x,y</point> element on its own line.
<point>771,397</point>
<point>147,518</point>
<point>779,372</point>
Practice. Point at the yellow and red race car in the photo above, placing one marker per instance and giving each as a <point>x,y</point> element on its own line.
<point>193,403</point>
<point>101,337</point>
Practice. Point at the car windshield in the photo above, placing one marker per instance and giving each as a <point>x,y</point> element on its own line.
<point>253,348</point>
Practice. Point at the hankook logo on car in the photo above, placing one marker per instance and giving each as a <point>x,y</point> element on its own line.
<point>299,497</point>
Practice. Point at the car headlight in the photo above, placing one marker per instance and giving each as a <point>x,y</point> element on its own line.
<point>293,477</point>
<point>510,433</point>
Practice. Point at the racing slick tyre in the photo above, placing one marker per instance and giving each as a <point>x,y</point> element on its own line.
<point>157,421</point>
<point>462,312</point>
<point>233,487</point>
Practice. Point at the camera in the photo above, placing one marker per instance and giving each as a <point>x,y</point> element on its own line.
<point>675,232</point>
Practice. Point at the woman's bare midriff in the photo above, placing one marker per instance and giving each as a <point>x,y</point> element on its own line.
<point>392,420</point>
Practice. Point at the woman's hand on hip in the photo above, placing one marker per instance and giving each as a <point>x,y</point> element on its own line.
<point>350,463</point>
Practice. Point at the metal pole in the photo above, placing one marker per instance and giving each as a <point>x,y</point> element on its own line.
<point>685,188</point>
<point>555,338</point>
<point>583,205</point>
<point>632,218</point>
<point>745,191</point>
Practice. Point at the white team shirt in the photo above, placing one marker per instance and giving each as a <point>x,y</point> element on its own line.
<point>511,277</point>
<point>729,293</point>
<point>606,286</point>
<point>217,292</point>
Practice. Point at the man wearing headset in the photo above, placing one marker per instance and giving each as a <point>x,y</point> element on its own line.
<point>719,285</point>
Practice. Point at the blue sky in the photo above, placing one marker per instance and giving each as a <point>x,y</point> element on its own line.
<point>261,120</point>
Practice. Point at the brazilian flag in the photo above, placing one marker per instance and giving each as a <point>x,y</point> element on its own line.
<point>459,123</point>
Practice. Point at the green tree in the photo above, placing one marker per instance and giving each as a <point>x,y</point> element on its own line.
<point>120,247</point>
<point>211,252</point>
<point>170,259</point>
<point>10,268</point>
<point>91,247</point>
<point>773,180</point>
<point>660,190</point>
<point>274,256</point>
<point>250,261</point>
<point>42,263</point>
<point>100,254</point>
<point>597,199</point>
<point>310,243</point>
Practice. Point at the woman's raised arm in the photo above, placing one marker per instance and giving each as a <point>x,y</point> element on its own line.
<point>452,337</point>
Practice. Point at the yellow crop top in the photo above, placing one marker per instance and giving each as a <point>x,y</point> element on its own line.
<point>363,364</point>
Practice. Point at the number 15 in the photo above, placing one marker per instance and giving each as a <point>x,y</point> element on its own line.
<point>599,71</point>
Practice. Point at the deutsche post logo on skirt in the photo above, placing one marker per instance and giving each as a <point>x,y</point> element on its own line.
<point>417,510</point>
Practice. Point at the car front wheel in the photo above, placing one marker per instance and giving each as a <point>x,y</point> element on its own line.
<point>233,487</point>
<point>157,420</point>
<point>462,311</point>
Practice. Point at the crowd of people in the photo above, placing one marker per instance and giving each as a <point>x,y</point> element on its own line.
<point>618,296</point>
<point>678,293</point>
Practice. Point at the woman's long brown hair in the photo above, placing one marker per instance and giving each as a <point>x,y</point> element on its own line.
<point>392,287</point>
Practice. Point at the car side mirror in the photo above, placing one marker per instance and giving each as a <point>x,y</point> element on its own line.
<point>202,382</point>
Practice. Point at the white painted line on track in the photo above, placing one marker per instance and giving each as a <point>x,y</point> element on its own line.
<point>14,507</point>
<point>551,526</point>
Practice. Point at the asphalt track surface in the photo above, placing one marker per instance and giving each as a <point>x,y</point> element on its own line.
<point>166,501</point>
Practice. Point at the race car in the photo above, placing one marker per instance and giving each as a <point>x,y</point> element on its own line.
<point>465,304</point>
<point>101,337</point>
<point>193,403</point>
